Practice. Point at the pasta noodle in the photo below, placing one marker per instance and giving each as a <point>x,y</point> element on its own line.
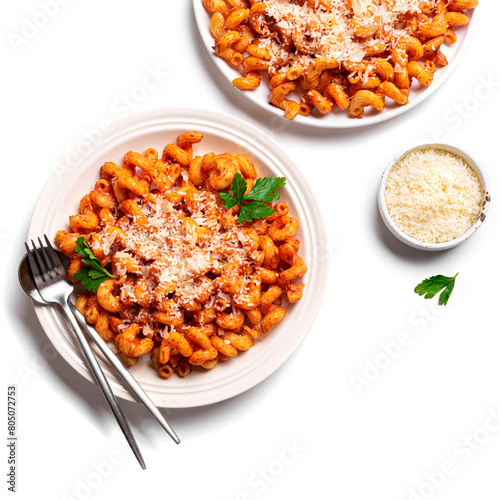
<point>345,54</point>
<point>191,285</point>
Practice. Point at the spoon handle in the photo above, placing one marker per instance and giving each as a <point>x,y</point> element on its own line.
<point>124,373</point>
<point>104,385</point>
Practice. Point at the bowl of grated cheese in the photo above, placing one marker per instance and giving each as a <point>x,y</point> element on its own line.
<point>433,197</point>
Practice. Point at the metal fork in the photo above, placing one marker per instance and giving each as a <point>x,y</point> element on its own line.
<point>50,279</point>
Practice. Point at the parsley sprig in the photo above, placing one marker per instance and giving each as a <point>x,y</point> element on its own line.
<point>93,273</point>
<point>433,285</point>
<point>253,205</point>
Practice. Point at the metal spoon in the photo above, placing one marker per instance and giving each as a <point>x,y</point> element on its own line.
<point>29,287</point>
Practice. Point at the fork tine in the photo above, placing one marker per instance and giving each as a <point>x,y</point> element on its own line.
<point>45,259</point>
<point>54,258</point>
<point>39,261</point>
<point>39,264</point>
<point>33,264</point>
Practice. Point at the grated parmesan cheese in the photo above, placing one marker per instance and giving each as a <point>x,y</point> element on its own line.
<point>327,29</point>
<point>433,196</point>
<point>168,252</point>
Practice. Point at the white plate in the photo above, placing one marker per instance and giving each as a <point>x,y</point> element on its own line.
<point>76,177</point>
<point>341,119</point>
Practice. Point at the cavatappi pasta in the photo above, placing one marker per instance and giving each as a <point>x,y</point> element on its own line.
<point>335,54</point>
<point>193,286</point>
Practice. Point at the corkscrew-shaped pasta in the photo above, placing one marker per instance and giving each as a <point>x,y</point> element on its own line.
<point>192,286</point>
<point>320,54</point>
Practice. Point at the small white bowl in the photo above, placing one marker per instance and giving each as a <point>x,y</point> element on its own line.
<point>434,246</point>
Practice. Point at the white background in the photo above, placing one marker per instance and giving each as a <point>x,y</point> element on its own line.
<point>431,405</point>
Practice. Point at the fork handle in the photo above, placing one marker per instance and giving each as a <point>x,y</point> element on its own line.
<point>124,373</point>
<point>104,385</point>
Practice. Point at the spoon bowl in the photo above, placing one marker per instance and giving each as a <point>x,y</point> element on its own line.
<point>27,281</point>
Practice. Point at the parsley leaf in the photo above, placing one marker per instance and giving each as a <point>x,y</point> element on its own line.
<point>433,285</point>
<point>229,200</point>
<point>238,186</point>
<point>264,191</point>
<point>254,210</point>
<point>93,273</point>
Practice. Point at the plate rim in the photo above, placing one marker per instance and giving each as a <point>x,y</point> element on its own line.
<point>325,122</point>
<point>155,118</point>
